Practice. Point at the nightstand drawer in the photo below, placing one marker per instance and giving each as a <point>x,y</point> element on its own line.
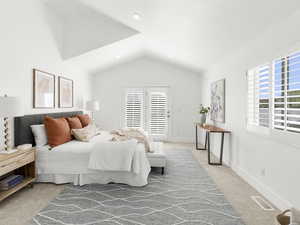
<point>16,162</point>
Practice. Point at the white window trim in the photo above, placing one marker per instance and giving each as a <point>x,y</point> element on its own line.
<point>265,131</point>
<point>282,137</point>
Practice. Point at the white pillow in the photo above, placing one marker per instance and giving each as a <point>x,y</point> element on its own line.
<point>39,133</point>
<point>85,134</point>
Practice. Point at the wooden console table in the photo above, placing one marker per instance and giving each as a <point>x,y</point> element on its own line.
<point>211,129</point>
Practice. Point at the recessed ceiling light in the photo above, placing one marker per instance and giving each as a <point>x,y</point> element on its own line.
<point>136,16</point>
<point>117,57</point>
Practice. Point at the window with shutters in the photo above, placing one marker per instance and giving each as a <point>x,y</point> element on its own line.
<point>158,122</point>
<point>286,114</point>
<point>274,94</point>
<point>147,108</point>
<point>134,108</point>
<point>259,95</point>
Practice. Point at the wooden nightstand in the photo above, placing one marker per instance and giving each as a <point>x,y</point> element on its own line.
<point>21,162</point>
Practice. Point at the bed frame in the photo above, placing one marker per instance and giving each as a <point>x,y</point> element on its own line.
<point>22,130</point>
<point>23,133</point>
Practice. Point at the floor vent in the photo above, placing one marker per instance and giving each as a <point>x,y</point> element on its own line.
<point>262,203</point>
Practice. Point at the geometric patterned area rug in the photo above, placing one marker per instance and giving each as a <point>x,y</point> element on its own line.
<point>185,195</point>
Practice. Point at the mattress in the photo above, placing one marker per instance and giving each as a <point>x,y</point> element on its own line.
<point>68,163</point>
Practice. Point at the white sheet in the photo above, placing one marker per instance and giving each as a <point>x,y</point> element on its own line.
<point>114,156</point>
<point>72,158</point>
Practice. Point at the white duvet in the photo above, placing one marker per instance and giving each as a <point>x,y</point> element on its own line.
<point>114,156</point>
<point>70,163</point>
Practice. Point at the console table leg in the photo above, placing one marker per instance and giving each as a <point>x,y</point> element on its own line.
<point>197,147</point>
<point>208,146</point>
<point>196,137</point>
<point>221,153</point>
<point>221,150</point>
<point>206,138</point>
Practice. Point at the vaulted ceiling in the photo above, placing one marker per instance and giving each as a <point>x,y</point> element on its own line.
<point>194,33</point>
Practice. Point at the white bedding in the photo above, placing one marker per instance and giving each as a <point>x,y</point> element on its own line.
<point>69,163</point>
<point>114,156</point>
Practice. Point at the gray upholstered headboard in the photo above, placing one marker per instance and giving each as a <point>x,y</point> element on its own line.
<point>22,130</point>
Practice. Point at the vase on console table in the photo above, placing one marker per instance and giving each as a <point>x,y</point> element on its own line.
<point>202,119</point>
<point>203,112</point>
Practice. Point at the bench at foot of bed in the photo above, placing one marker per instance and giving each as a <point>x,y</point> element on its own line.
<point>158,157</point>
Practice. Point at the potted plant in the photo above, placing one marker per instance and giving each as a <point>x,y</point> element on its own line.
<point>203,112</point>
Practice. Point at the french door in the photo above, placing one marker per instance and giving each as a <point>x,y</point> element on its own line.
<point>148,108</point>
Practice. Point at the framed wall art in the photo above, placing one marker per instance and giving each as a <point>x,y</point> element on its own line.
<point>43,89</point>
<point>65,92</point>
<point>217,93</point>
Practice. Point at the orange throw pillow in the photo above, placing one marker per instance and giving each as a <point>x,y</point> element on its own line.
<point>74,123</point>
<point>84,119</point>
<point>58,131</point>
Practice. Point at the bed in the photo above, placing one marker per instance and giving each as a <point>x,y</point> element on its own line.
<point>68,163</point>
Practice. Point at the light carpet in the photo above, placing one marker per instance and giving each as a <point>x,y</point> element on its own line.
<point>185,195</point>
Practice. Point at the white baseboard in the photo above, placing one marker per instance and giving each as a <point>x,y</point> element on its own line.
<point>263,189</point>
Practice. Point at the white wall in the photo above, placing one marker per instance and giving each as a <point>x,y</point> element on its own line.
<point>248,153</point>
<point>185,86</point>
<point>27,41</point>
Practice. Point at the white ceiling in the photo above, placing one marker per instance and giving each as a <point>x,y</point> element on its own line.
<point>194,33</point>
<point>85,29</point>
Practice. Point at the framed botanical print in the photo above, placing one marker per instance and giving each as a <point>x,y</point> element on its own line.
<point>65,92</point>
<point>43,89</point>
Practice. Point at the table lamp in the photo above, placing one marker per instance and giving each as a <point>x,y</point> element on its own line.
<point>92,106</point>
<point>9,107</point>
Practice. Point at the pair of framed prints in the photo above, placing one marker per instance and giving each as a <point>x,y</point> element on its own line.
<point>44,90</point>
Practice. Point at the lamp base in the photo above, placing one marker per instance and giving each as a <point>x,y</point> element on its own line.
<point>6,152</point>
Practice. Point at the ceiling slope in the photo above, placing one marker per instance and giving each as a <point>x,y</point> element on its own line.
<point>194,33</point>
<point>110,55</point>
<point>86,29</point>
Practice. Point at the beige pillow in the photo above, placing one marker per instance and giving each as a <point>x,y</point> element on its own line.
<point>85,134</point>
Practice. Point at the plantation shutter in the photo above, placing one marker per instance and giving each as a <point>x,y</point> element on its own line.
<point>259,95</point>
<point>158,113</point>
<point>251,96</point>
<point>286,98</point>
<point>134,109</point>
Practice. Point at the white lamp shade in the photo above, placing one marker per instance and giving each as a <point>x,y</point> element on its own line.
<point>10,107</point>
<point>92,106</point>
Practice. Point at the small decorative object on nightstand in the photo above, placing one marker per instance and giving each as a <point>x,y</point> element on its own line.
<point>21,162</point>
<point>9,107</point>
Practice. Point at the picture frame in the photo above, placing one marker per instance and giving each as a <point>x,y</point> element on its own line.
<point>217,110</point>
<point>43,90</point>
<point>65,92</point>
